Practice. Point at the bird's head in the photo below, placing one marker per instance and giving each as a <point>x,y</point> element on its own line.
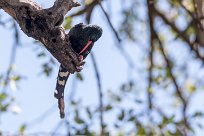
<point>82,38</point>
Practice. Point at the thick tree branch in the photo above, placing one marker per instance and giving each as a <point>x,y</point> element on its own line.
<point>45,25</point>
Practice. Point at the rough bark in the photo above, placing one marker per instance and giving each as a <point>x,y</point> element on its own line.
<point>45,25</point>
<point>199,9</point>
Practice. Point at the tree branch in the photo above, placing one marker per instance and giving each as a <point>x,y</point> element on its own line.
<point>45,25</point>
<point>102,125</point>
<point>123,52</point>
<point>151,52</point>
<point>176,85</point>
<point>85,9</point>
<point>183,36</point>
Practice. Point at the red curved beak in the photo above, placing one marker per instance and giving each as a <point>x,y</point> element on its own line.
<point>85,47</point>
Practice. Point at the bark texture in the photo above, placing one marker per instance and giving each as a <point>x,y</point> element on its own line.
<point>199,9</point>
<point>45,25</point>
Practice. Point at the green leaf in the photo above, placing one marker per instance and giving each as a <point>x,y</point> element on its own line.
<point>120,134</point>
<point>108,107</point>
<point>74,103</point>
<point>77,119</point>
<point>16,78</point>
<point>190,31</point>
<point>168,73</point>
<point>168,120</point>
<point>68,22</point>
<point>122,115</point>
<point>47,69</point>
<point>198,114</point>
<point>4,107</point>
<point>190,87</point>
<point>87,2</point>
<point>3,96</point>
<point>41,54</point>
<point>150,90</point>
<point>89,113</point>
<point>22,128</point>
<point>132,118</point>
<point>79,76</point>
<point>141,132</point>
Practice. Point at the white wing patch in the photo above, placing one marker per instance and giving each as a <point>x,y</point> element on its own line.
<point>63,74</point>
<point>61,82</point>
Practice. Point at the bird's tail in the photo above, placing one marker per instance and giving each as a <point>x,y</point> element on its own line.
<point>62,77</point>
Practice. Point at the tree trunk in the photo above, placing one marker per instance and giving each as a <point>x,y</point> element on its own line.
<point>199,9</point>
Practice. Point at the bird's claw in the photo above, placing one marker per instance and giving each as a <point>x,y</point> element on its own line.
<point>81,64</point>
<point>79,68</point>
<point>81,58</point>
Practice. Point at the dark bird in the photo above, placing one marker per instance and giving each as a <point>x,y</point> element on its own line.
<point>82,38</point>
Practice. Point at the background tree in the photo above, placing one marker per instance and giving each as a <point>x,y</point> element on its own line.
<point>149,74</point>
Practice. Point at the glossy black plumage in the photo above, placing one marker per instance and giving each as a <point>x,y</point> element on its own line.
<point>79,36</point>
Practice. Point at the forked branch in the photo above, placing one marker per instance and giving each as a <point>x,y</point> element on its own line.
<point>45,25</point>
